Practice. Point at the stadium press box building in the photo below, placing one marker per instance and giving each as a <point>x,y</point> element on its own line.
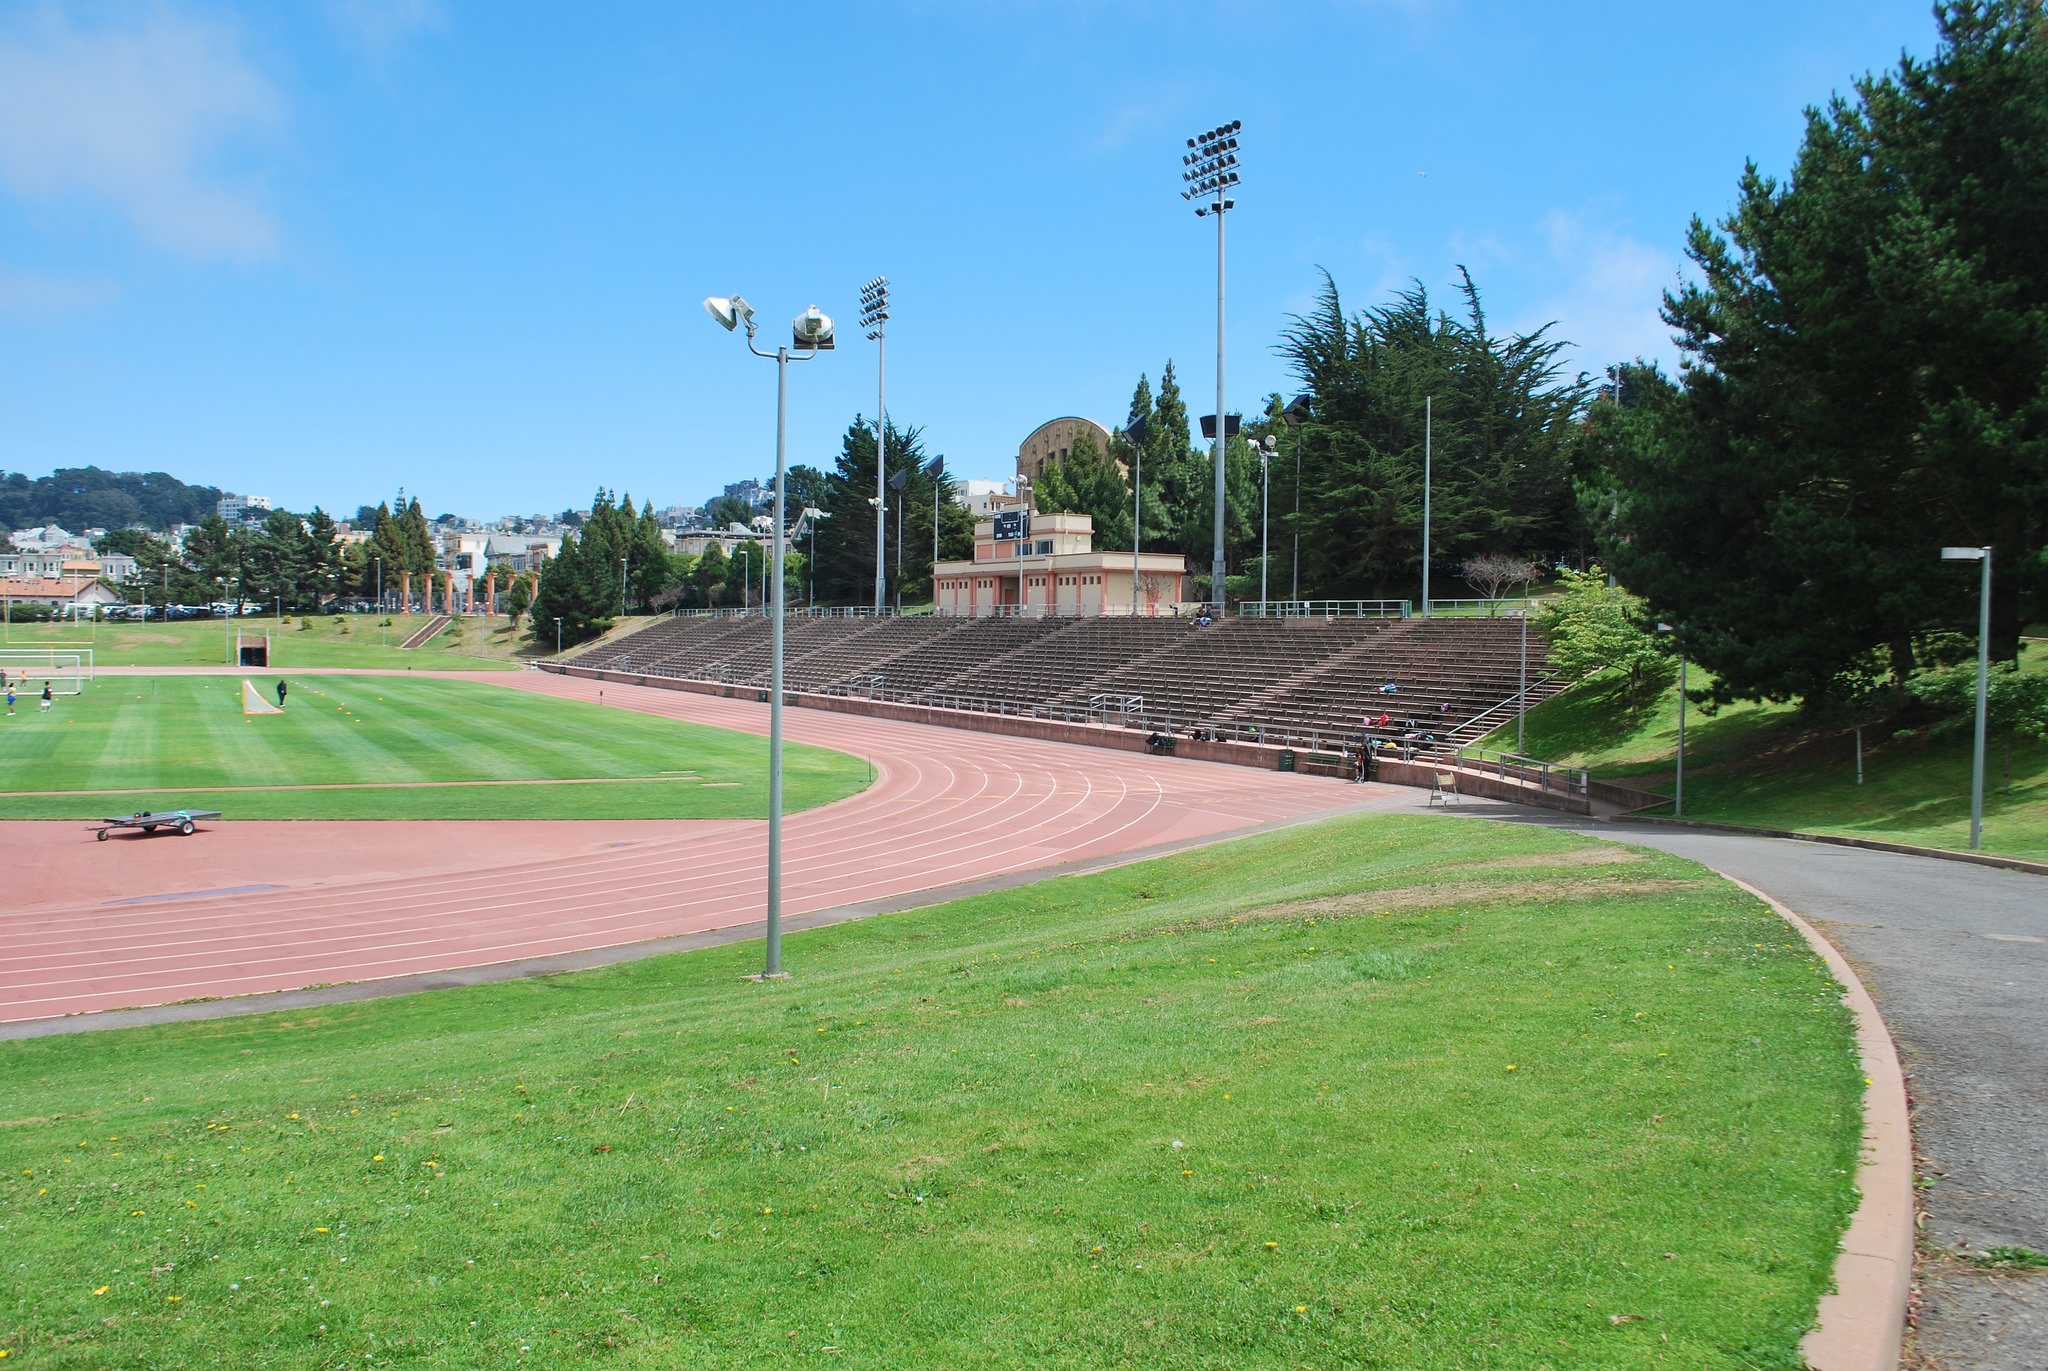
<point>1045,564</point>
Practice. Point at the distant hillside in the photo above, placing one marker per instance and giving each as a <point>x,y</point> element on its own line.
<point>86,497</point>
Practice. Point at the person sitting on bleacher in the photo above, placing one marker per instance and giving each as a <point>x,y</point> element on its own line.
<point>1389,688</point>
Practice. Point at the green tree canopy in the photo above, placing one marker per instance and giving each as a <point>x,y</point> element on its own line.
<point>1504,425</point>
<point>1866,381</point>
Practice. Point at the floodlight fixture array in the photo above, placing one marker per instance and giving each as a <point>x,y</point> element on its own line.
<point>874,307</point>
<point>1211,167</point>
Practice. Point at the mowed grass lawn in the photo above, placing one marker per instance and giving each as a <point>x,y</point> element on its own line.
<point>469,644</point>
<point>1380,1092</point>
<point>1770,766</point>
<point>174,742</point>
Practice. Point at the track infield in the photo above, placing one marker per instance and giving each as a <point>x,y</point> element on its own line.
<point>387,747</point>
<point>1383,1091</point>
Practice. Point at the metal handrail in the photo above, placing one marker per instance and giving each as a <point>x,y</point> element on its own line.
<point>1324,609</point>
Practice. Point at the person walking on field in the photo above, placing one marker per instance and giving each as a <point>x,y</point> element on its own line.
<point>46,697</point>
<point>280,692</point>
<point>10,699</point>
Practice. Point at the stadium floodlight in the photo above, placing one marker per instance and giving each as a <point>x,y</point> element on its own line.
<point>1297,413</point>
<point>731,312</point>
<point>1210,175</point>
<point>1978,554</point>
<point>812,335</point>
<point>874,317</point>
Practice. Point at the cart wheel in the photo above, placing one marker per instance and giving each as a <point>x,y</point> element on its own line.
<point>185,828</point>
<point>149,828</point>
<point>103,835</point>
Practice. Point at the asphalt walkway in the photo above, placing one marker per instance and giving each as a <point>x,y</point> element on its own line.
<point>1956,957</point>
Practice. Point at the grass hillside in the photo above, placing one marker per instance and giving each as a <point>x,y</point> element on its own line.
<point>1397,1092</point>
<point>408,745</point>
<point>357,640</point>
<point>1772,766</point>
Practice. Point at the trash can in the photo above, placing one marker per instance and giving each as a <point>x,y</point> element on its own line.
<point>1286,759</point>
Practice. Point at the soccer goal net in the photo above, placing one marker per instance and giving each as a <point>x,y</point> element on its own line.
<point>67,671</point>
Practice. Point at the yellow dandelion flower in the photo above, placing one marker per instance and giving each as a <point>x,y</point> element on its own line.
<point>172,1299</point>
<point>1301,1309</point>
<point>319,1230</point>
<point>1511,1068</point>
<point>1272,1244</point>
<point>102,1290</point>
<point>378,1158</point>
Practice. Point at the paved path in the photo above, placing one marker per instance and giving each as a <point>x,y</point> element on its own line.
<point>1956,957</point>
<point>94,926</point>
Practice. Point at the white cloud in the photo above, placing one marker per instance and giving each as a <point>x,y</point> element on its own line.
<point>1608,308</point>
<point>381,25</point>
<point>129,116</point>
<point>40,295</point>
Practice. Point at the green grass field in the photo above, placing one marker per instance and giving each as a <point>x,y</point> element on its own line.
<point>1768,766</point>
<point>468,644</point>
<point>1381,1092</point>
<point>406,740</point>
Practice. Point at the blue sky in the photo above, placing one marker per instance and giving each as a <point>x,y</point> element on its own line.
<point>319,250</point>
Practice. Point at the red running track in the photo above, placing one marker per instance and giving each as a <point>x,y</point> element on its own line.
<point>946,806</point>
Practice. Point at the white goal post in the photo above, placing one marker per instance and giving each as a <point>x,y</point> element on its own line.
<point>66,670</point>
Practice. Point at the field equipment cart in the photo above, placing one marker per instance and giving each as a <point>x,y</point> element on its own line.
<point>180,819</point>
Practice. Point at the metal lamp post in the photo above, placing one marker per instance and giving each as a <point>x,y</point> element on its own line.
<point>1211,176</point>
<point>1678,782</point>
<point>874,317</point>
<point>383,640</point>
<point>1266,451</point>
<point>1428,426</point>
<point>811,334</point>
<point>746,579</point>
<point>1522,683</point>
<point>1978,554</point>
<point>1294,416</point>
<point>622,587</point>
<point>558,635</point>
<point>1135,435</point>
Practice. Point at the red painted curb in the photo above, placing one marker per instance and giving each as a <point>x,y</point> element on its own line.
<point>1862,1325</point>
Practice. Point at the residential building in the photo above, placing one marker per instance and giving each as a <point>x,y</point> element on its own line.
<point>84,592</point>
<point>239,508</point>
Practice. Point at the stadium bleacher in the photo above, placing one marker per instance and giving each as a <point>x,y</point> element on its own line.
<point>1274,679</point>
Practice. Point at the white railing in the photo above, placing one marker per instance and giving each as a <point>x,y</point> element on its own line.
<point>1324,609</point>
<point>1477,609</point>
<point>1165,609</point>
<point>1569,780</point>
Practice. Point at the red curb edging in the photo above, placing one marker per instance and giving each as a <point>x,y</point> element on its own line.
<point>1861,1326</point>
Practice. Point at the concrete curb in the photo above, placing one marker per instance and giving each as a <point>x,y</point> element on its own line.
<point>1862,1325</point>
<point>1871,844</point>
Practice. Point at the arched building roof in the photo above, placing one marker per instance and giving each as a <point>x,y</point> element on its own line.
<point>1052,441</point>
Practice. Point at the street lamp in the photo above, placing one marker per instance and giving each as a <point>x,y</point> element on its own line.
<point>382,639</point>
<point>874,317</point>
<point>1678,785</point>
<point>622,587</point>
<point>746,579</point>
<point>1266,451</point>
<point>1978,554</point>
<point>558,635</point>
<point>1211,176</point>
<point>1135,435</point>
<point>1294,416</point>
<point>1428,429</point>
<point>812,334</point>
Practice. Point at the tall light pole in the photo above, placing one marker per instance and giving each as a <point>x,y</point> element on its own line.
<point>1135,435</point>
<point>1266,451</point>
<point>874,317</point>
<point>1294,416</point>
<point>383,640</point>
<point>812,334</point>
<point>558,635</point>
<point>1211,176</point>
<point>1428,425</point>
<point>622,587</point>
<point>1678,782</point>
<point>1974,554</point>
<point>1522,684</point>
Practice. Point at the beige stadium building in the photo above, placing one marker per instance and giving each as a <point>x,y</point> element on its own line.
<point>1055,571</point>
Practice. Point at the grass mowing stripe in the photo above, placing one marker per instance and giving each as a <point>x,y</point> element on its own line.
<point>187,743</point>
<point>1377,1092</point>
